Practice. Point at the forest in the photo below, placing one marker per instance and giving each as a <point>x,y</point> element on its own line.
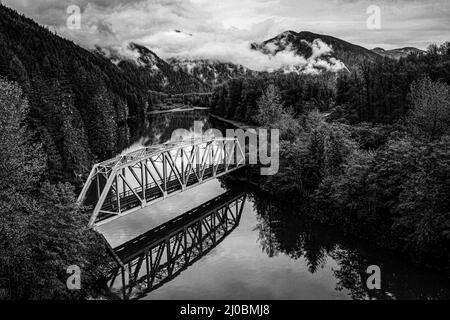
<point>78,100</point>
<point>365,151</point>
<point>62,108</point>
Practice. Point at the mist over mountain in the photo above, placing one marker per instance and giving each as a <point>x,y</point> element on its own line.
<point>152,72</point>
<point>320,51</point>
<point>211,72</point>
<point>289,52</point>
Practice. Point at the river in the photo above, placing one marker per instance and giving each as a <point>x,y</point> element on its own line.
<point>272,251</point>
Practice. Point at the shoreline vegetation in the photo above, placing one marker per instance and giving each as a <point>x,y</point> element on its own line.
<point>274,186</point>
<point>236,124</point>
<point>361,160</point>
<point>176,109</point>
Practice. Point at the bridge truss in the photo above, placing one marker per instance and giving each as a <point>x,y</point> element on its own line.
<point>135,180</point>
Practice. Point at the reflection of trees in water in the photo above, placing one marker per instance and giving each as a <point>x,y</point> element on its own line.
<point>158,128</point>
<point>283,231</point>
<point>280,231</point>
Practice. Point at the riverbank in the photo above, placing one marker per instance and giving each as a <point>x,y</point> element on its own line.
<point>179,109</point>
<point>236,124</point>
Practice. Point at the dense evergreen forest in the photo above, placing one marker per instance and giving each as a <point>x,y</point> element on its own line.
<point>367,151</point>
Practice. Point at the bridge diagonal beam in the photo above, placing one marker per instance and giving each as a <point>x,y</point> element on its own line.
<point>100,202</point>
<point>129,186</point>
<point>174,168</point>
<point>190,166</point>
<point>154,179</point>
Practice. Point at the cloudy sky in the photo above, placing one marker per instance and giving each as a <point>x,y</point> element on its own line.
<point>214,28</point>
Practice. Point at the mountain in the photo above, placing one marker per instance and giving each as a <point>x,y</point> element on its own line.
<point>397,53</point>
<point>151,72</point>
<point>211,72</point>
<point>312,46</point>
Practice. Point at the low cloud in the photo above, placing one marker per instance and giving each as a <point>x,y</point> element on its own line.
<point>223,30</point>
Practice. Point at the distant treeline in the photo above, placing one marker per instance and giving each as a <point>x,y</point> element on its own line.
<point>237,99</point>
<point>161,100</point>
<point>376,90</point>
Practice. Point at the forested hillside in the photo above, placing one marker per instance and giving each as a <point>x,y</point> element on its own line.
<point>371,154</point>
<point>377,91</point>
<point>149,71</point>
<point>78,99</point>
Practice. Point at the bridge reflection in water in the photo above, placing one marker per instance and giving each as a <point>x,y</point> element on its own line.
<point>158,256</point>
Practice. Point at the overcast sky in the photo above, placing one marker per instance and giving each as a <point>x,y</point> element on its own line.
<point>212,27</point>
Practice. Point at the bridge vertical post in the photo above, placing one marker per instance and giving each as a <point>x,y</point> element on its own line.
<point>236,155</point>
<point>147,269</point>
<point>225,155</point>
<point>98,184</point>
<point>124,288</point>
<point>200,234</point>
<point>183,175</point>
<point>169,257</point>
<point>226,219</point>
<point>211,148</point>
<point>124,174</point>
<point>164,160</point>
<point>213,222</point>
<point>118,196</point>
<point>199,163</point>
<point>186,257</point>
<point>144,183</point>
<point>213,161</point>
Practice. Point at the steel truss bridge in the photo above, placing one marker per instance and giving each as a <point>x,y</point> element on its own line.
<point>137,179</point>
<point>158,256</point>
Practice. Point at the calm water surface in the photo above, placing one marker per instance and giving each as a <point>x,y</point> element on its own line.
<point>273,253</point>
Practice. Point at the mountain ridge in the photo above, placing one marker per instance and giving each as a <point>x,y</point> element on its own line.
<point>398,52</point>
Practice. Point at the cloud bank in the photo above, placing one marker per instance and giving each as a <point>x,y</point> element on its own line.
<point>223,30</point>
